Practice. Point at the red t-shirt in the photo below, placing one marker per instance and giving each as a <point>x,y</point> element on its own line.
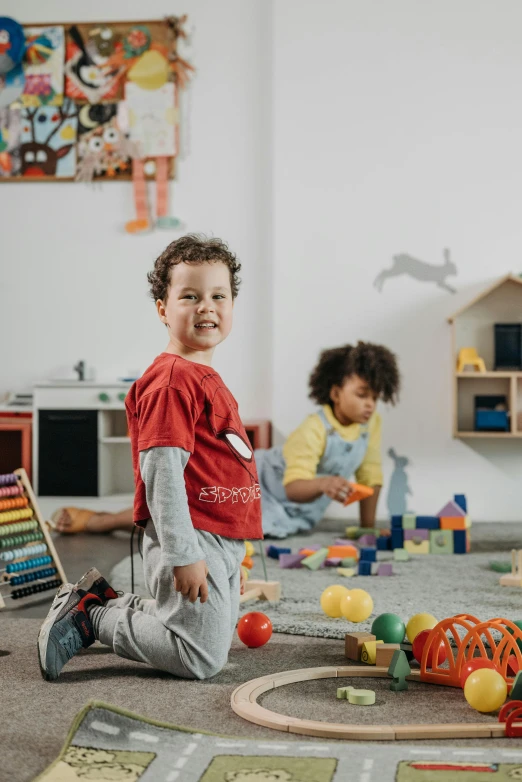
<point>178,403</point>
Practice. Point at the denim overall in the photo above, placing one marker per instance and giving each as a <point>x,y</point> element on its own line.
<point>281,517</point>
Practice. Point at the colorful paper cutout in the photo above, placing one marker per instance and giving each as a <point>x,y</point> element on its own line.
<point>10,131</point>
<point>103,148</point>
<point>48,141</point>
<point>44,66</point>
<point>88,74</point>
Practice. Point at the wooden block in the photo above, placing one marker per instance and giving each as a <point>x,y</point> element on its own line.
<point>271,590</point>
<point>342,692</point>
<point>250,594</point>
<point>450,731</point>
<point>441,541</point>
<point>361,697</point>
<point>454,522</point>
<point>341,731</point>
<point>417,548</point>
<point>343,552</point>
<point>347,572</point>
<point>384,654</point>
<point>315,560</point>
<point>509,580</point>
<point>348,561</point>
<point>353,643</point>
<point>369,652</point>
<point>401,555</point>
<point>409,521</point>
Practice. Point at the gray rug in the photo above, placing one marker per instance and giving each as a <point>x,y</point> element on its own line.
<point>438,584</point>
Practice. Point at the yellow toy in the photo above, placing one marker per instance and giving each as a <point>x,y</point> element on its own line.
<point>485,690</point>
<point>418,623</point>
<point>331,600</point>
<point>470,357</point>
<point>249,548</point>
<point>357,605</point>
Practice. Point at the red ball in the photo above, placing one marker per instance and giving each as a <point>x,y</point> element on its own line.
<point>474,665</point>
<point>419,643</point>
<point>254,629</point>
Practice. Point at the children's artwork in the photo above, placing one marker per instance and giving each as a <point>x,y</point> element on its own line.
<point>10,132</point>
<point>104,151</point>
<point>48,141</point>
<point>399,488</point>
<point>419,270</point>
<point>12,47</point>
<point>152,118</point>
<point>88,74</point>
<point>43,66</point>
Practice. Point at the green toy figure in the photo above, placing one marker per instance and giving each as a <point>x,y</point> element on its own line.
<point>399,669</point>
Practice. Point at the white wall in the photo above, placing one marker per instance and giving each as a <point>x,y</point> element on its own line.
<point>73,283</point>
<point>396,129</point>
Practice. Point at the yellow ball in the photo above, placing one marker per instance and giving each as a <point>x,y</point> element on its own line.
<point>357,605</point>
<point>485,690</point>
<point>418,623</point>
<point>249,549</point>
<point>331,600</point>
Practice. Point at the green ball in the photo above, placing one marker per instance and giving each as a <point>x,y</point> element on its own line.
<point>518,623</point>
<point>389,628</point>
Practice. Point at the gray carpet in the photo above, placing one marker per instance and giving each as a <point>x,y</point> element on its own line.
<point>438,584</point>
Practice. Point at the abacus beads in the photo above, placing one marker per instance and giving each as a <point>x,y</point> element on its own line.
<point>22,526</point>
<point>15,515</point>
<point>19,540</point>
<point>27,577</point>
<point>27,551</point>
<point>17,502</point>
<point>15,567</point>
<point>11,491</point>
<point>31,590</point>
<point>8,478</point>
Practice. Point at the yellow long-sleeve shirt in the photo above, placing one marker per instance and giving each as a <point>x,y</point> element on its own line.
<point>304,448</point>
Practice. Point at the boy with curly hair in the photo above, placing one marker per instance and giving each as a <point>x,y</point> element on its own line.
<point>197,494</point>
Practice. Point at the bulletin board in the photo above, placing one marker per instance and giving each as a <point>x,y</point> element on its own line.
<point>64,109</point>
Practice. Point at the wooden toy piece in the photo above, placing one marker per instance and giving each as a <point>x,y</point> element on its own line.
<point>441,541</point>
<point>384,654</point>
<point>250,594</point>
<point>397,537</point>
<point>368,541</point>
<point>346,572</point>
<point>412,547</point>
<point>418,535</point>
<point>287,561</point>
<point>353,644</point>
<point>468,357</point>
<point>399,669</point>
<point>361,697</point>
<point>342,692</point>
<point>269,590</point>
<point>451,510</point>
<point>455,522</point>
<point>343,551</point>
<point>516,689</point>
<point>515,577</point>
<point>365,568</point>
<point>460,500</point>
<point>409,521</point>
<point>368,554</point>
<point>427,522</point>
<point>401,555</point>
<point>274,552</point>
<point>315,560</point>
<point>359,492</point>
<point>348,561</point>
<point>384,569</point>
<point>369,652</point>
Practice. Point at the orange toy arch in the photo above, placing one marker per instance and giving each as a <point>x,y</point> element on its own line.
<point>448,673</point>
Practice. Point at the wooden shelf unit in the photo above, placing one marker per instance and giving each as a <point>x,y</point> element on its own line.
<point>473,326</point>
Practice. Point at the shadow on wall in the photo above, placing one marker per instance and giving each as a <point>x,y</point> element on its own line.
<point>396,500</point>
<point>404,264</point>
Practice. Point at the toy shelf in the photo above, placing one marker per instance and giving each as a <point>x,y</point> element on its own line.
<point>468,385</point>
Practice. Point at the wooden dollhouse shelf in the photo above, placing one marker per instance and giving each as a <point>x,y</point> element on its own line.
<point>473,326</point>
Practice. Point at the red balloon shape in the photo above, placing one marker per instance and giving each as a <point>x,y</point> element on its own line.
<point>418,647</point>
<point>474,665</point>
<point>254,629</point>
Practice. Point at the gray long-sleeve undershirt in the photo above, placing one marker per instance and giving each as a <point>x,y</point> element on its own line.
<point>162,472</point>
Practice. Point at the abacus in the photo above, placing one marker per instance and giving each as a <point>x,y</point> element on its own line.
<point>29,563</point>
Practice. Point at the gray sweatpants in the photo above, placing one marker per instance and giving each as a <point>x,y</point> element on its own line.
<point>189,640</point>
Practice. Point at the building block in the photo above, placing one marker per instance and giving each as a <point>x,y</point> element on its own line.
<point>368,554</point>
<point>347,572</point>
<point>412,547</point>
<point>342,692</point>
<point>383,542</point>
<point>397,538</point>
<point>368,540</point>
<point>375,568</point>
<point>409,521</point>
<point>401,555</point>
<point>516,689</point>
<point>460,500</point>
<point>359,492</point>
<point>460,541</point>
<point>274,552</point>
<point>384,654</point>
<point>361,697</point>
<point>343,542</point>
<point>385,569</point>
<point>418,535</point>
<point>332,562</point>
<point>396,521</point>
<point>287,561</point>
<point>270,590</point>
<point>315,560</point>
<point>428,522</point>
<point>353,643</point>
<point>369,652</point>
<point>365,568</point>
<point>455,522</point>
<point>342,551</point>
<point>451,509</point>
<point>399,669</point>
<point>348,562</point>
<point>441,541</point>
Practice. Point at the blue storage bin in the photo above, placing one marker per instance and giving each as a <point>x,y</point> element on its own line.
<point>492,420</point>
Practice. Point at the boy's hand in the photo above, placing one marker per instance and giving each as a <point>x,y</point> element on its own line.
<point>242,581</point>
<point>337,488</point>
<point>191,581</point>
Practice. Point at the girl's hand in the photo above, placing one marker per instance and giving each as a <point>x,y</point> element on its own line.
<point>242,581</point>
<point>337,488</point>
<point>191,581</point>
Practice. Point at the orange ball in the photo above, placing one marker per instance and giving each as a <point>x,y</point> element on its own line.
<point>254,629</point>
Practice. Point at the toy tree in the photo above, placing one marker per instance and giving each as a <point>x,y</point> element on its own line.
<point>399,669</point>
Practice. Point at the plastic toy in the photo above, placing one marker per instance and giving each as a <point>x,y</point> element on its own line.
<point>399,669</point>
<point>254,629</point>
<point>510,713</point>
<point>357,605</point>
<point>470,357</point>
<point>331,600</point>
<point>515,577</point>
<point>361,697</point>
<point>249,548</point>
<point>359,492</point>
<point>418,647</point>
<point>248,562</point>
<point>390,628</point>
<point>485,690</point>
<point>419,622</point>
<point>475,665</point>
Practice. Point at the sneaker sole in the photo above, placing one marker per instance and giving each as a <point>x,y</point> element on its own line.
<point>43,635</point>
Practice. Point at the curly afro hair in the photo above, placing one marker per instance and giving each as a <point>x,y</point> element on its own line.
<point>373,363</point>
<point>192,248</point>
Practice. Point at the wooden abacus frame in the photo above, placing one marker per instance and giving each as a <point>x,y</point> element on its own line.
<point>244,703</point>
<point>37,516</point>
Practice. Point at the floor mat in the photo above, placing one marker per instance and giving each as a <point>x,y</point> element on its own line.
<point>108,744</point>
